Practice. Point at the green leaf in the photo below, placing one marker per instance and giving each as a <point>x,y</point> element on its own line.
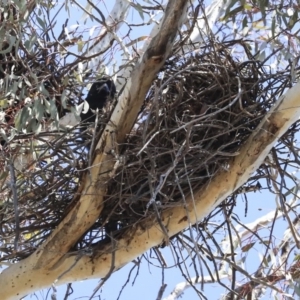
<point>248,6</point>
<point>11,41</point>
<point>29,43</point>
<point>3,175</point>
<point>66,80</point>
<point>53,109</point>
<point>22,118</point>
<point>43,90</point>
<point>247,247</point>
<point>283,18</point>
<point>233,13</point>
<point>245,22</point>
<point>293,19</point>
<point>3,134</point>
<point>4,103</point>
<point>297,257</point>
<point>25,15</point>
<point>80,45</point>
<point>139,9</point>
<point>64,99</point>
<point>27,82</point>
<point>38,109</point>
<point>78,77</point>
<point>273,26</point>
<point>297,289</point>
<point>41,22</point>
<point>34,126</point>
<point>47,106</point>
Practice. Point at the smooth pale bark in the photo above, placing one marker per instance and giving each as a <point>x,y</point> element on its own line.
<point>26,276</point>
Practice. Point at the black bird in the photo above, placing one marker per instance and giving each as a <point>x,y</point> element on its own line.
<point>99,94</point>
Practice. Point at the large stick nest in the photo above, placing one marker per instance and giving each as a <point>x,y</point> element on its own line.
<point>197,114</point>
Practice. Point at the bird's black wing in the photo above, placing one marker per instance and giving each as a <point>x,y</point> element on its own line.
<point>100,93</point>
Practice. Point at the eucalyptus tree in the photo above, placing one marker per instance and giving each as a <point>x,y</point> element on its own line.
<point>206,113</point>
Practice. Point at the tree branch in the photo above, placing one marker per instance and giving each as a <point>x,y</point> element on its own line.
<point>48,262</point>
